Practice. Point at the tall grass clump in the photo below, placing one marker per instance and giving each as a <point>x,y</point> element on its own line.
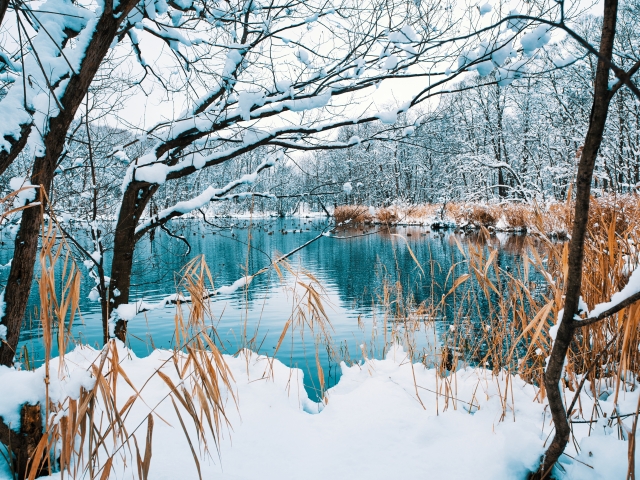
<point>353,214</point>
<point>606,352</point>
<point>501,319</point>
<point>88,432</point>
<point>517,333</point>
<point>551,219</point>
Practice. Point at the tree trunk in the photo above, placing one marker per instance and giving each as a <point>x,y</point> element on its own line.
<point>7,158</point>
<point>593,139</point>
<point>134,201</point>
<point>16,294</point>
<point>26,243</point>
<point>23,444</point>
<point>502,189</point>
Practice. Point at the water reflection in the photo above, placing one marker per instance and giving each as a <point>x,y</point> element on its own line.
<point>360,269</point>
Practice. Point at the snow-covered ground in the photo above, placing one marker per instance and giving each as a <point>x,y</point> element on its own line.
<point>383,420</point>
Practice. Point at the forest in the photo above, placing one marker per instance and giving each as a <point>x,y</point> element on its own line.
<point>400,235</point>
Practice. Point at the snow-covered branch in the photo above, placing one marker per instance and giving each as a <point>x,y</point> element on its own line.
<point>620,300</point>
<point>211,194</point>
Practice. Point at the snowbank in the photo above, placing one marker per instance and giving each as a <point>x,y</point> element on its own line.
<point>377,423</point>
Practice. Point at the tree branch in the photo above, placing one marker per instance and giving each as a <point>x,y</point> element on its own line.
<point>607,313</point>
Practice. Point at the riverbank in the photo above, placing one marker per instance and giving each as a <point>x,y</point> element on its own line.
<point>551,219</point>
<point>384,419</point>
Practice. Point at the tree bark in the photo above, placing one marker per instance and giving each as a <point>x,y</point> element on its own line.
<point>134,201</point>
<point>4,5</point>
<point>7,158</point>
<point>26,242</point>
<point>23,444</point>
<point>593,140</point>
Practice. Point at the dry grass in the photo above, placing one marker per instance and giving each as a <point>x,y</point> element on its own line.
<point>388,216</point>
<point>519,306</point>
<point>354,214</point>
<point>87,435</point>
<point>308,316</point>
<point>84,435</point>
<point>516,215</point>
<point>552,220</point>
<point>610,256</point>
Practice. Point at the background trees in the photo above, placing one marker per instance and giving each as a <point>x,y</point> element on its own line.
<point>253,92</point>
<point>245,77</point>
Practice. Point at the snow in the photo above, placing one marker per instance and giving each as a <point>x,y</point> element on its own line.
<point>302,104</point>
<point>535,39</point>
<point>247,100</point>
<point>485,8</point>
<point>28,387</point>
<point>560,62</point>
<point>347,188</point>
<point>233,60</point>
<point>94,295</point>
<point>303,56</point>
<point>241,282</point>
<point>284,85</point>
<point>410,33</point>
<point>405,35</point>
<point>26,191</point>
<point>127,311</point>
<point>511,72</point>
<point>382,420</point>
<point>516,24</point>
<point>466,58</point>
<point>388,118</point>
<point>156,173</point>
<point>500,55</point>
<point>390,63</point>
<point>312,18</point>
<point>502,224</point>
<point>483,68</point>
<point>631,288</point>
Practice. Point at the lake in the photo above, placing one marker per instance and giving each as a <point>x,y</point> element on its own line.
<point>367,275</point>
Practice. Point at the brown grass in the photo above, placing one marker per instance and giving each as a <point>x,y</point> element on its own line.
<point>354,214</point>
<point>516,215</point>
<point>551,220</point>
<point>514,334</point>
<point>85,434</point>
<point>388,215</point>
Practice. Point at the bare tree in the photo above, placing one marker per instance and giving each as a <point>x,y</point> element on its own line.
<point>59,72</point>
<point>250,102</point>
<point>570,321</point>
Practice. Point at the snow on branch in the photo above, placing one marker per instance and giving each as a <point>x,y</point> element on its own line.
<point>48,61</point>
<point>246,86</point>
<point>622,299</point>
<point>209,195</point>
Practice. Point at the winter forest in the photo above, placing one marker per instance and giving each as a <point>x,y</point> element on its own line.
<point>279,239</point>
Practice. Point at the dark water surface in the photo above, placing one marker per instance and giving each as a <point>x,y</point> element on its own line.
<point>353,272</point>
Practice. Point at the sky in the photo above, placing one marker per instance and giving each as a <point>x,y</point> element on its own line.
<point>147,110</point>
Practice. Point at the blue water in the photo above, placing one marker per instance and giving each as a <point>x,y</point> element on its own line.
<point>352,268</point>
